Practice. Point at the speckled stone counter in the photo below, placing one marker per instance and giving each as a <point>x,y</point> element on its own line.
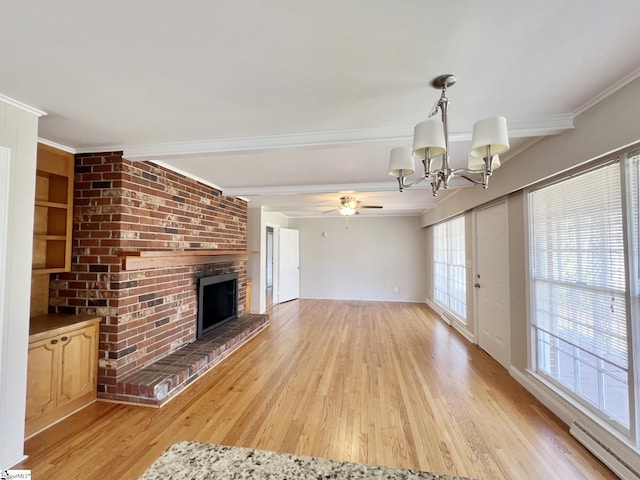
<point>200,461</point>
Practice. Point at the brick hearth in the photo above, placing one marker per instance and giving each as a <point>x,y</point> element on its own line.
<point>159,382</point>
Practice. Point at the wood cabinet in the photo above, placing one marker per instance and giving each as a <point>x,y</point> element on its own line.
<point>62,368</point>
<point>53,219</point>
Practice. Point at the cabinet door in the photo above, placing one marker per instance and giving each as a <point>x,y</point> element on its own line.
<point>77,375</point>
<point>42,377</point>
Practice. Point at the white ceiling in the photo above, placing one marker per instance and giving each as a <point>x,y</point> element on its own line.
<point>290,103</point>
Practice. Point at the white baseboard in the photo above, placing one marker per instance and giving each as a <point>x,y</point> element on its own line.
<point>611,448</point>
<point>431,305</point>
<point>453,323</point>
<point>541,394</point>
<point>464,332</point>
<point>390,300</point>
<point>14,463</point>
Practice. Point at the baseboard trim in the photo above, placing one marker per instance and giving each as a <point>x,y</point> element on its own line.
<point>613,445</point>
<point>394,300</point>
<point>451,322</point>
<point>24,457</point>
<point>541,395</point>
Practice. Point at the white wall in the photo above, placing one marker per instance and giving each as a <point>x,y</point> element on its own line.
<point>18,133</point>
<point>257,221</point>
<point>367,261</point>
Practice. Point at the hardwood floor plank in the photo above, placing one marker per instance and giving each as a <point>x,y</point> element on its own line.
<point>371,382</point>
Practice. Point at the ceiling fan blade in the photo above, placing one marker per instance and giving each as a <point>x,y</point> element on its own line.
<point>329,211</point>
<point>369,206</point>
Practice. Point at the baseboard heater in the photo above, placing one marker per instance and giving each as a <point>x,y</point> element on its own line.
<point>621,467</point>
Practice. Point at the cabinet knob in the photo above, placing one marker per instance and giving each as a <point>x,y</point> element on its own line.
<point>54,341</point>
<point>64,339</point>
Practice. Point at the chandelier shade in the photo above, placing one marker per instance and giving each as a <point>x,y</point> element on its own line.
<point>477,163</point>
<point>490,132</point>
<point>401,162</point>
<point>428,139</point>
<point>431,146</point>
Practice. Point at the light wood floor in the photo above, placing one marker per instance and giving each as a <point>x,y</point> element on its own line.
<point>381,383</point>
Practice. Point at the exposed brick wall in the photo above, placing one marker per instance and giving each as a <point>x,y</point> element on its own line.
<point>124,206</point>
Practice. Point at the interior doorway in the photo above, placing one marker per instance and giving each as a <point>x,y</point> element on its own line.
<point>269,267</point>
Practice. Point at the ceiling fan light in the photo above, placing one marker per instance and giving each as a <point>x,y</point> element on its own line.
<point>428,134</point>
<point>476,163</point>
<point>401,163</point>
<point>347,210</point>
<point>490,132</point>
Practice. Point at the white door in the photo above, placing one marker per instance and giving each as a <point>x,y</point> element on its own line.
<point>491,282</point>
<point>289,265</point>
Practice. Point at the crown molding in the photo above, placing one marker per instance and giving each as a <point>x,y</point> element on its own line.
<point>186,174</point>
<point>22,106</point>
<point>178,149</point>
<point>338,215</point>
<point>614,87</point>
<point>59,146</point>
<point>330,188</point>
<point>524,128</point>
<point>548,125</point>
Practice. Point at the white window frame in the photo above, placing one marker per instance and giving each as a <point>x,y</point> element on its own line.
<point>632,304</point>
<point>446,307</point>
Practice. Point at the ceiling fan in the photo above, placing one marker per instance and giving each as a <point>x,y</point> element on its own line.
<point>350,206</point>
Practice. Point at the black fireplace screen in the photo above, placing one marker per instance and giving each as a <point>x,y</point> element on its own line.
<point>217,302</point>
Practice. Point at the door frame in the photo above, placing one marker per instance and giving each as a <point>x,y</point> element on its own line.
<point>269,252</point>
<point>276,259</point>
<point>476,309</point>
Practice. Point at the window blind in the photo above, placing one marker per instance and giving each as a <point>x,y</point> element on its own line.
<point>579,312</point>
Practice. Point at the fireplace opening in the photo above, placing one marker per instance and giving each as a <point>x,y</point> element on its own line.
<point>217,302</point>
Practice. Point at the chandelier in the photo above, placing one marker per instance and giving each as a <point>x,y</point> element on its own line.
<point>431,146</point>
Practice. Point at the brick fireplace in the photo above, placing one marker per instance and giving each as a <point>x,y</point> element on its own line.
<point>124,206</point>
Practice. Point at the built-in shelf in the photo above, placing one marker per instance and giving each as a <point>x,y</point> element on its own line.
<point>42,203</point>
<point>173,258</point>
<point>53,212</point>
<point>49,237</point>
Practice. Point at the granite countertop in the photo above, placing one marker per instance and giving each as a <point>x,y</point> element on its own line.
<point>195,461</point>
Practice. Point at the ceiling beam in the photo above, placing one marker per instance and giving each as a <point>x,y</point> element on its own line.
<point>548,125</point>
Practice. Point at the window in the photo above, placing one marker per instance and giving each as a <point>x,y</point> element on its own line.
<point>450,281</point>
<point>578,275</point>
